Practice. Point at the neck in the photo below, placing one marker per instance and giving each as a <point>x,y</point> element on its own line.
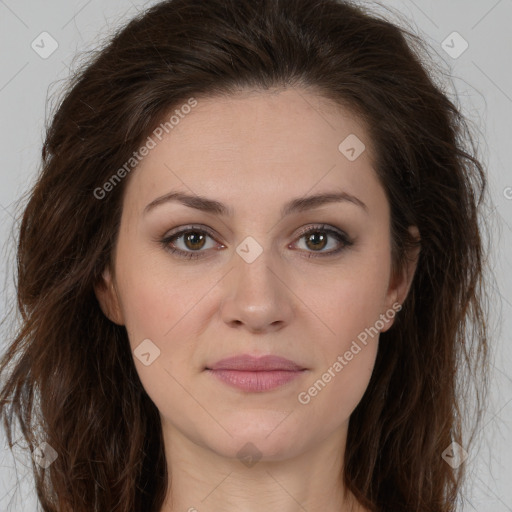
<point>256,477</point>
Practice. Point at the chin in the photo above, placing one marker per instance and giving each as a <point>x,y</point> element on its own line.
<point>259,441</point>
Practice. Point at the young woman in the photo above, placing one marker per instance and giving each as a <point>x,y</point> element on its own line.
<point>250,271</point>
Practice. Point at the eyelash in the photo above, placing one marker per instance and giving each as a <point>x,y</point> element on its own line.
<point>193,255</point>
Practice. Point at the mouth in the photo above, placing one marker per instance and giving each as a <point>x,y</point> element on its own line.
<point>256,374</point>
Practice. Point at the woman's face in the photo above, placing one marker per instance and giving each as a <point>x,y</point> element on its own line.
<point>250,280</point>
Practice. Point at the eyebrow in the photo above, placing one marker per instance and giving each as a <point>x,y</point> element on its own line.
<point>297,205</point>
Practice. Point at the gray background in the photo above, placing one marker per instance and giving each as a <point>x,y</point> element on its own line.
<point>481,77</point>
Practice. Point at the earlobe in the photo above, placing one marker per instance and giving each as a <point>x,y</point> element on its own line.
<point>107,296</point>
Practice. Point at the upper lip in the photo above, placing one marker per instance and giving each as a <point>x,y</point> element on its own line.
<point>255,364</point>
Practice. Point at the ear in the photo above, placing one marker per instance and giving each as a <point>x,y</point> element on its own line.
<point>108,298</point>
<point>400,283</point>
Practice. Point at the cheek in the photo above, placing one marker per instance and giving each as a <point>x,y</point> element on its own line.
<point>146,307</point>
<point>156,297</point>
<point>162,309</point>
<point>352,309</point>
<point>352,298</point>
<point>331,394</point>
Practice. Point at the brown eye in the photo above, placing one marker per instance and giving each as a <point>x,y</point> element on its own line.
<point>316,240</point>
<point>188,243</point>
<point>194,240</point>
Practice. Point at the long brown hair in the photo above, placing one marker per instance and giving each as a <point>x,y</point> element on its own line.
<point>69,374</point>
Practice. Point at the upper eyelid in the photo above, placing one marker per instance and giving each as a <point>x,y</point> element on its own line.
<point>180,231</point>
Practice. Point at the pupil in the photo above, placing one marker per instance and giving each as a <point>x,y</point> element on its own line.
<point>192,237</point>
<point>316,243</point>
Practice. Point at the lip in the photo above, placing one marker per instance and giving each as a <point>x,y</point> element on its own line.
<point>245,362</point>
<point>256,374</point>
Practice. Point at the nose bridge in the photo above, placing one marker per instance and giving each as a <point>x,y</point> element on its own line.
<point>256,294</point>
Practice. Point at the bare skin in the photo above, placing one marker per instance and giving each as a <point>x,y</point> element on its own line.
<point>255,152</point>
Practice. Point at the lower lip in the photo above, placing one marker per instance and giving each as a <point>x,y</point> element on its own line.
<point>256,381</point>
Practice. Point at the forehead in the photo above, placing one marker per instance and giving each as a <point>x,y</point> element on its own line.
<point>245,143</point>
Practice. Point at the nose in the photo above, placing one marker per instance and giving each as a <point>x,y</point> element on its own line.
<point>257,296</point>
